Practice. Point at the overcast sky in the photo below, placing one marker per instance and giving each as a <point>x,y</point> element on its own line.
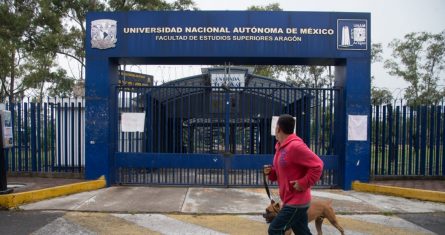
<point>389,19</point>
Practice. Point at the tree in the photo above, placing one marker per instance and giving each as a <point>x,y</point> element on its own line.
<point>376,52</point>
<point>270,7</point>
<point>307,76</point>
<point>271,71</point>
<point>419,60</point>
<point>71,40</point>
<point>74,12</point>
<point>159,5</point>
<point>379,96</point>
<point>18,26</point>
<point>300,76</point>
<point>28,36</point>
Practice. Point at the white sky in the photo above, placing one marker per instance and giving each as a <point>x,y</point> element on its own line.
<point>390,19</point>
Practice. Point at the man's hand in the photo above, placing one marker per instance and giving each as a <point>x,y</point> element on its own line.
<point>267,169</point>
<point>296,186</point>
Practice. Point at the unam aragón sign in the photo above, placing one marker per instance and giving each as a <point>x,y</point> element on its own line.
<point>155,35</point>
<point>227,34</point>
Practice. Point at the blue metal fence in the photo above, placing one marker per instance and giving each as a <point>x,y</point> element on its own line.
<point>201,135</point>
<point>407,141</point>
<point>189,122</point>
<point>48,136</point>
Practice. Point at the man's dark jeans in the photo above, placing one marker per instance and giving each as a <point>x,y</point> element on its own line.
<point>290,217</point>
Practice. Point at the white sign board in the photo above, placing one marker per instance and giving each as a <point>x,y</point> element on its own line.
<point>273,125</point>
<point>230,80</point>
<point>357,127</point>
<point>6,124</point>
<point>132,122</point>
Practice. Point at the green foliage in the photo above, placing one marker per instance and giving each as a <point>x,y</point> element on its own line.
<point>300,76</point>
<point>183,5</point>
<point>152,5</point>
<point>376,52</point>
<point>419,59</point>
<point>125,5</point>
<point>270,71</point>
<point>18,28</point>
<point>72,38</point>
<point>270,7</point>
<point>380,96</point>
<point>31,36</point>
<point>308,76</point>
<point>34,32</point>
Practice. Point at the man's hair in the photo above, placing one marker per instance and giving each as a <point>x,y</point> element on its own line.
<point>286,123</point>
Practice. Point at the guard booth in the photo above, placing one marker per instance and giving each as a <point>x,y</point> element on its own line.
<point>215,128</point>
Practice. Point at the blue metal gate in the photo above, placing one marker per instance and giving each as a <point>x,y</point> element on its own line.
<point>219,136</point>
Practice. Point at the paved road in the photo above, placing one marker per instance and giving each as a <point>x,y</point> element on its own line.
<point>165,210</point>
<point>48,222</point>
<point>432,221</point>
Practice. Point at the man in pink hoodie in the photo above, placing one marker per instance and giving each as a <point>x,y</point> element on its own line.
<point>297,169</point>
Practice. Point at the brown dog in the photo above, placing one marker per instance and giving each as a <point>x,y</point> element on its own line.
<point>317,211</point>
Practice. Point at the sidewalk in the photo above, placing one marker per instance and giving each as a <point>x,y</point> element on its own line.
<point>410,187</point>
<point>128,199</point>
<point>222,210</point>
<point>434,185</point>
<point>174,210</point>
<point>427,190</point>
<point>25,184</point>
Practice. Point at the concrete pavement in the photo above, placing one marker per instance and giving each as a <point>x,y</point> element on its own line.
<point>183,210</point>
<point>13,200</point>
<point>174,210</point>
<point>193,200</point>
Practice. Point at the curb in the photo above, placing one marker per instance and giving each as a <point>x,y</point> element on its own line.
<point>420,194</point>
<point>13,200</point>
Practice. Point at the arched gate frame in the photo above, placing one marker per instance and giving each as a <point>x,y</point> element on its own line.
<point>240,37</point>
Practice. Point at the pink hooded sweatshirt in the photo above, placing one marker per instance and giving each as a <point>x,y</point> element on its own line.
<point>293,160</point>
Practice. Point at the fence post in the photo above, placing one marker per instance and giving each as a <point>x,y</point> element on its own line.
<point>438,115</point>
<point>33,137</point>
<point>431,136</point>
<point>377,135</point>
<point>13,148</point>
<point>403,141</point>
<point>38,137</point>
<point>45,134</point>
<point>396,147</point>
<point>79,134</point>
<point>391,140</point>
<point>423,139</point>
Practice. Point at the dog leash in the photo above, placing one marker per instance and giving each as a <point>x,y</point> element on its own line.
<point>266,186</point>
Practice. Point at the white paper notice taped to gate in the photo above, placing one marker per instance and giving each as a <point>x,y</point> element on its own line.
<point>273,124</point>
<point>132,122</point>
<point>357,127</point>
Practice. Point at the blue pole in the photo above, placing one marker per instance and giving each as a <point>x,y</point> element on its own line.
<point>39,137</point>
<point>33,137</point>
<point>45,134</point>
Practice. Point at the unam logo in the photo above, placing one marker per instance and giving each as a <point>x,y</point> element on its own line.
<point>352,34</point>
<point>103,33</point>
